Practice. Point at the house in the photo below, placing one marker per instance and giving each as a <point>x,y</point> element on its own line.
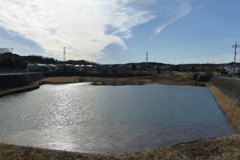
<point>230,69</point>
<point>40,67</point>
<point>36,67</point>
<point>86,67</point>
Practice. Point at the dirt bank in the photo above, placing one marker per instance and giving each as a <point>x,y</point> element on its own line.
<point>224,148</point>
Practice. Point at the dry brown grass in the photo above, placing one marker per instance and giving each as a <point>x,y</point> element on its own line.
<point>173,78</point>
<point>230,108</point>
<point>58,80</point>
<point>53,80</point>
<point>224,148</point>
<point>217,149</point>
<point>12,152</point>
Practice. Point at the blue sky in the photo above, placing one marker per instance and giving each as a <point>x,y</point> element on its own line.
<point>122,31</point>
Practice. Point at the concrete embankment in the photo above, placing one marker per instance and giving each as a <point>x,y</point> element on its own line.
<point>229,86</point>
<point>19,80</point>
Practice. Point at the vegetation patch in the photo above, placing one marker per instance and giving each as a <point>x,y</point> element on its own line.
<point>119,83</point>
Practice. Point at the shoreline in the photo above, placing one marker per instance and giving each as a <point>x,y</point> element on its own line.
<point>102,81</point>
<point>220,148</point>
<point>31,87</point>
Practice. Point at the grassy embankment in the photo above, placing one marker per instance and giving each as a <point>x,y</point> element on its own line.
<point>170,78</point>
<point>220,148</point>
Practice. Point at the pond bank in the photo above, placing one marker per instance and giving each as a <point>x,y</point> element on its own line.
<point>168,80</point>
<point>224,148</point>
<point>221,148</point>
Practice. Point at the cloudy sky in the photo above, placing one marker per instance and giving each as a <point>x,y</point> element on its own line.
<point>122,31</point>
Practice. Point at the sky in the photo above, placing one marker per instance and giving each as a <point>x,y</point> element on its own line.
<point>123,31</point>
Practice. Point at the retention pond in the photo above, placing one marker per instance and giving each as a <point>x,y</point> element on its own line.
<point>110,119</point>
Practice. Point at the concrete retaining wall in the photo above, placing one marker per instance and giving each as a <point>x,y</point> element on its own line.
<point>229,86</point>
<point>20,80</point>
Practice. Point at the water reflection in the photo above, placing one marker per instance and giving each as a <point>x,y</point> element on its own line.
<point>74,115</point>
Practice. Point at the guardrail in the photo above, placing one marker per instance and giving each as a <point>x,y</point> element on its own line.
<point>17,73</point>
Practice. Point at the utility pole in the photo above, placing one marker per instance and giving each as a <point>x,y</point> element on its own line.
<point>235,55</point>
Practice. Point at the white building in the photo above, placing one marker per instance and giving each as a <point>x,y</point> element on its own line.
<point>41,67</point>
<point>230,69</point>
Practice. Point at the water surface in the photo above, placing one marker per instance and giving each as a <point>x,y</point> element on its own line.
<point>110,119</point>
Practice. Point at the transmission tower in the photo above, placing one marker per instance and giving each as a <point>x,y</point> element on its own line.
<point>64,55</point>
<point>235,55</point>
<point>147,56</point>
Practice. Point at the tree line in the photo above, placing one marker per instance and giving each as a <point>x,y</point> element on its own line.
<point>12,60</point>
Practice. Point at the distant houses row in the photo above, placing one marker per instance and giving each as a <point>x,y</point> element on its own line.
<point>209,68</point>
<point>58,68</point>
<point>15,60</point>
<point>105,67</point>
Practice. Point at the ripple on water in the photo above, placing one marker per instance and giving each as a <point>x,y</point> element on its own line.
<point>110,119</point>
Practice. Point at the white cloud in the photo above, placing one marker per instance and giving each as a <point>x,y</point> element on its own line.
<point>84,27</point>
<point>174,10</point>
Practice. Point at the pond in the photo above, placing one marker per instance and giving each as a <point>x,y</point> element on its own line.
<point>110,119</point>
